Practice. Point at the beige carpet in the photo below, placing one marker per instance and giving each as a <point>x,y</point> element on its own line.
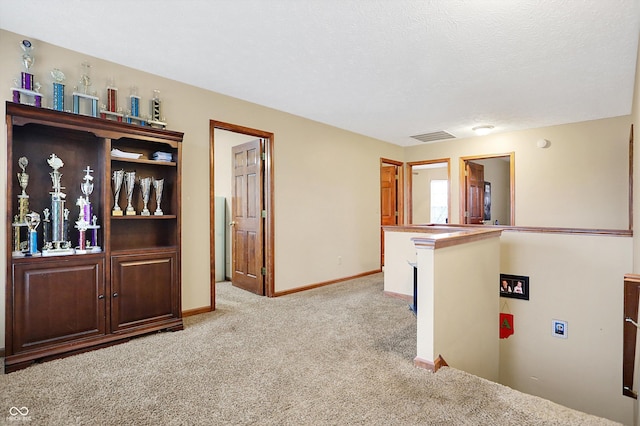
<point>338,355</point>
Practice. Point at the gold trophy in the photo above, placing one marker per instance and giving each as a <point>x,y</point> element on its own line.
<point>23,198</point>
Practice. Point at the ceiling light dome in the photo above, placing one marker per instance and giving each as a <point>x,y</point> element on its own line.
<point>483,130</point>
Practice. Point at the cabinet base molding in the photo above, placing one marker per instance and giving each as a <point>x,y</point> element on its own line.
<point>23,360</point>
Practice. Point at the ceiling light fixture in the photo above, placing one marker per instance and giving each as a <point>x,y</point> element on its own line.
<point>483,130</point>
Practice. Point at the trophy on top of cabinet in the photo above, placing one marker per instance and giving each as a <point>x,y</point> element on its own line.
<point>157,120</point>
<point>111,110</point>
<point>133,114</point>
<point>58,89</point>
<point>27,86</point>
<point>85,82</point>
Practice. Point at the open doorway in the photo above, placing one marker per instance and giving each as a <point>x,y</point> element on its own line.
<point>429,192</point>
<point>230,143</point>
<point>487,189</point>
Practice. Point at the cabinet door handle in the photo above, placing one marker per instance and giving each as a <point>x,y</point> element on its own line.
<point>101,296</point>
<point>115,294</point>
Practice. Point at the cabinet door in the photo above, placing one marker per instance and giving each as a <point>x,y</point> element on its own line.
<point>57,302</point>
<point>145,290</point>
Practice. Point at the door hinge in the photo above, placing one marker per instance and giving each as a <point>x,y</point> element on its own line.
<point>396,214</point>
<point>264,213</point>
<point>263,155</point>
<point>466,214</point>
<point>263,271</point>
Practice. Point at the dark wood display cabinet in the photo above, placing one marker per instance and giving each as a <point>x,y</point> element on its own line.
<point>80,275</point>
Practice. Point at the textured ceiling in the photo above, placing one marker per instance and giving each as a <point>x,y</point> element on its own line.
<point>382,68</point>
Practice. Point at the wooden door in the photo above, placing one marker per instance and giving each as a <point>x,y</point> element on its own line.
<point>474,193</point>
<point>246,221</point>
<point>389,200</point>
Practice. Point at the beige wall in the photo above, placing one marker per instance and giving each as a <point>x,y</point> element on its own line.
<point>400,253</point>
<point>580,181</point>
<point>578,279</point>
<point>466,300</point>
<point>321,212</point>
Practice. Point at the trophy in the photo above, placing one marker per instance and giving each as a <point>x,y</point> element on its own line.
<point>145,187</point>
<point>33,220</point>
<point>94,235</point>
<point>118,176</point>
<point>157,185</point>
<point>85,82</point>
<point>157,120</point>
<point>59,244</point>
<point>19,221</point>
<point>111,110</point>
<point>87,188</point>
<point>57,199</point>
<point>23,181</point>
<point>58,89</point>
<point>87,221</point>
<point>46,230</point>
<point>27,85</point>
<point>112,96</point>
<point>81,226</point>
<point>129,182</point>
<point>65,228</point>
<point>133,115</point>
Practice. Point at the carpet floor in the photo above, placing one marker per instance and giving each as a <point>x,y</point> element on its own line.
<point>336,355</point>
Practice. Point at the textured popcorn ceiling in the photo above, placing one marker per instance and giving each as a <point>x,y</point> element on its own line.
<point>388,69</point>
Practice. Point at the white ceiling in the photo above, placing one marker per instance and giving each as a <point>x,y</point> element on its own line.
<point>388,69</point>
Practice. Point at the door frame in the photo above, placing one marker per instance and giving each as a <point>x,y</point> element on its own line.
<point>512,183</point>
<point>268,195</point>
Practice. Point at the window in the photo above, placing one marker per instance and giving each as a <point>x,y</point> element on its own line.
<point>439,201</point>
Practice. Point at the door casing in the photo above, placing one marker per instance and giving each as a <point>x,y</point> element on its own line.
<point>268,197</point>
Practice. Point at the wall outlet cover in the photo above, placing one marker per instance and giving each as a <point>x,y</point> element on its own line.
<point>559,329</point>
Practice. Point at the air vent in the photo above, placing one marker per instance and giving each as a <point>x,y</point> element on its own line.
<point>433,136</point>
